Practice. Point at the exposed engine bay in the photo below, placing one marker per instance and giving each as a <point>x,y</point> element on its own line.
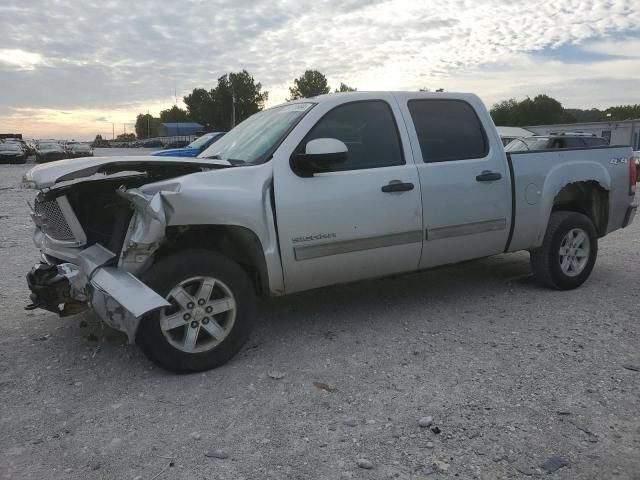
<point>96,230</point>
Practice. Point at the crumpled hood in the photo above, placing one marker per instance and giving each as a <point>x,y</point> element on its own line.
<point>48,174</point>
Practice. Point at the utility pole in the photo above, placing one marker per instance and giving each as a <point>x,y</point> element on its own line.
<point>113,131</point>
<point>233,108</point>
<point>148,125</point>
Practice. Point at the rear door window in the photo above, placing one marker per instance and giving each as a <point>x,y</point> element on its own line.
<point>448,130</point>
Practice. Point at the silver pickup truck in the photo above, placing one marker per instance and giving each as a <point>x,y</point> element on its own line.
<point>321,191</point>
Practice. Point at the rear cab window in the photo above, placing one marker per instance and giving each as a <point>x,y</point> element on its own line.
<point>448,130</point>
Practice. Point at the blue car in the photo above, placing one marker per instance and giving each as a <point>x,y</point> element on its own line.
<point>193,149</point>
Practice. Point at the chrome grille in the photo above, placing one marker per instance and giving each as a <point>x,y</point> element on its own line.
<point>54,223</point>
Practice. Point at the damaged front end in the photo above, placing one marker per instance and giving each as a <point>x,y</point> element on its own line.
<point>96,237</point>
<point>118,297</point>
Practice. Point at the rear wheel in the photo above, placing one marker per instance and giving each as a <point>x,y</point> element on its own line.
<point>568,253</point>
<point>211,314</point>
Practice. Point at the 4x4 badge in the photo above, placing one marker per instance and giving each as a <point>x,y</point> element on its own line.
<point>619,161</point>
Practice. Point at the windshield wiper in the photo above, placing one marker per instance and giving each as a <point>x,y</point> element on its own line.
<point>235,162</point>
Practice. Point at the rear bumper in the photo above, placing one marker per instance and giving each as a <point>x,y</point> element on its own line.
<point>629,216</point>
<point>116,296</point>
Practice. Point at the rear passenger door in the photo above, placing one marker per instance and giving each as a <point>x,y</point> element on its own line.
<point>465,184</point>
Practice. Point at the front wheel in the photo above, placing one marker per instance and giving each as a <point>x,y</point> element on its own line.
<point>211,314</point>
<point>568,252</point>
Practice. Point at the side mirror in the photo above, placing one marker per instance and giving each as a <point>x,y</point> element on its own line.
<point>319,155</point>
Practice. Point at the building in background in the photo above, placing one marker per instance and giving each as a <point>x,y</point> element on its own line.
<point>624,132</point>
<point>180,129</point>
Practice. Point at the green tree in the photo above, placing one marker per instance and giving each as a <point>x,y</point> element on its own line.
<point>591,115</point>
<point>146,126</point>
<point>623,112</point>
<point>174,114</point>
<point>126,137</point>
<point>98,141</point>
<point>236,97</point>
<point>201,107</point>
<point>310,84</point>
<point>505,113</point>
<point>345,88</point>
<point>543,109</point>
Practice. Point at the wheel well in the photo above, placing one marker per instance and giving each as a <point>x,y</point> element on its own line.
<point>588,198</point>
<point>237,243</point>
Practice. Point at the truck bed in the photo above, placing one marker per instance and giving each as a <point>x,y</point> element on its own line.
<point>537,177</point>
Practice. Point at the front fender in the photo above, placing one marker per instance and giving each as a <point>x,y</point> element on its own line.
<point>234,197</point>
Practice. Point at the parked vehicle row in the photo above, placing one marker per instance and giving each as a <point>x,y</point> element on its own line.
<point>50,150</point>
<point>315,192</point>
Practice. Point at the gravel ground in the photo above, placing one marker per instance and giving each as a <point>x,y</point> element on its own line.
<point>518,380</point>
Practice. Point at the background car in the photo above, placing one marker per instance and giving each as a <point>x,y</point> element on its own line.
<point>49,151</point>
<point>194,148</point>
<point>177,144</point>
<point>151,143</point>
<point>12,152</point>
<point>551,142</point>
<point>79,149</point>
<point>21,143</point>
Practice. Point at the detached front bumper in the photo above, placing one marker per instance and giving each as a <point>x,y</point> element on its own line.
<point>118,297</point>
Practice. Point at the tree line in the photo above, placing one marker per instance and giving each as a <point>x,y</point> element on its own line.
<point>235,97</point>
<point>546,110</point>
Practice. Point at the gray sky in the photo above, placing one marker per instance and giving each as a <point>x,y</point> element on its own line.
<point>71,69</point>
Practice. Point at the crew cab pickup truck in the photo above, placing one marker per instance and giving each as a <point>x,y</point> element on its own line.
<point>315,192</point>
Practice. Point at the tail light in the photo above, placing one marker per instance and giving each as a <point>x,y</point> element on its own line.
<point>633,175</point>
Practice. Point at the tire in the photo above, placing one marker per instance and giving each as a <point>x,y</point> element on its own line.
<point>554,270</point>
<point>172,347</point>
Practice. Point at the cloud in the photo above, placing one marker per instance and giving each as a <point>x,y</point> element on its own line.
<point>121,56</point>
<point>19,59</point>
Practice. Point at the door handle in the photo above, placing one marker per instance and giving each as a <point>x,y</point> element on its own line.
<point>397,186</point>
<point>488,176</point>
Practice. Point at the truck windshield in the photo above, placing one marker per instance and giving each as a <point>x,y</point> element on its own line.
<point>524,144</point>
<point>256,138</point>
<point>200,141</point>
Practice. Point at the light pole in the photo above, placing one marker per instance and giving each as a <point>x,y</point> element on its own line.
<point>233,108</point>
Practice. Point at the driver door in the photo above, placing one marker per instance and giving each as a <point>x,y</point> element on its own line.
<point>351,222</point>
